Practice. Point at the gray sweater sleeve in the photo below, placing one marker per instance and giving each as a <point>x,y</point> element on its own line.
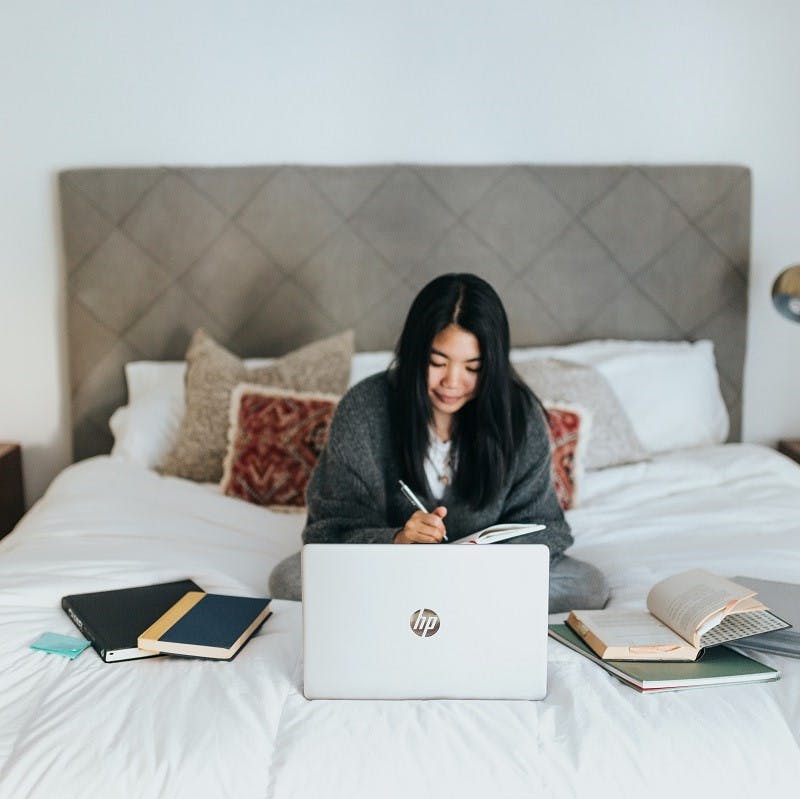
<point>532,496</point>
<point>346,497</point>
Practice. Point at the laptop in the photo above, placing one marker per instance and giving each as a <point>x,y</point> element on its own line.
<point>387,621</point>
<point>782,599</point>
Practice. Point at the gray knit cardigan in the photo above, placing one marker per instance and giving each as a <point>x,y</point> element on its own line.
<point>353,496</point>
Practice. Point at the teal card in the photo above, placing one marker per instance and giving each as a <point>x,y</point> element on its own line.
<point>67,645</point>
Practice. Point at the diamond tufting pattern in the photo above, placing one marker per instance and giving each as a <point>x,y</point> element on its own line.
<point>267,258</point>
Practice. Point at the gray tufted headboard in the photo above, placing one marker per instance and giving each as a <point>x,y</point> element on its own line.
<point>270,257</point>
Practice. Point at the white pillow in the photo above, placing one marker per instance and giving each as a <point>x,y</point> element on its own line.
<point>146,429</point>
<point>365,364</point>
<point>668,389</point>
<point>144,377</point>
<point>672,396</point>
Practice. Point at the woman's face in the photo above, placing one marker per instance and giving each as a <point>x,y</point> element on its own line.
<point>452,372</point>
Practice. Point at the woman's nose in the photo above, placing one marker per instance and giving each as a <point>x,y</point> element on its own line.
<point>452,376</point>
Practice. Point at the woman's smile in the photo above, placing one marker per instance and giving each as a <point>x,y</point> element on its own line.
<point>448,399</point>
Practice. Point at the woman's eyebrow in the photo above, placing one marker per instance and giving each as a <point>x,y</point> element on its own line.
<point>442,355</point>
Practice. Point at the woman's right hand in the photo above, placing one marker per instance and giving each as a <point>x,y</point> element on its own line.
<point>423,528</point>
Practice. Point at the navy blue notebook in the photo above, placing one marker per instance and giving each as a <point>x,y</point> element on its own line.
<point>206,625</point>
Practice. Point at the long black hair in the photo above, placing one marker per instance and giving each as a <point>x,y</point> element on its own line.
<point>486,428</point>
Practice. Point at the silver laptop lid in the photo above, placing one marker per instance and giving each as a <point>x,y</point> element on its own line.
<point>425,621</point>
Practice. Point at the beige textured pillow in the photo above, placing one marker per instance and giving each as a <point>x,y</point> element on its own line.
<point>212,372</point>
<point>612,440</point>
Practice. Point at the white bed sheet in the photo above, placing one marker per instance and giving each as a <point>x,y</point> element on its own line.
<point>172,728</point>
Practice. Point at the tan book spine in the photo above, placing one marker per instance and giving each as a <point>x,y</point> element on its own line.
<point>148,640</point>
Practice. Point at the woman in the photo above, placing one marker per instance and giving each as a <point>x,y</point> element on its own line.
<point>453,421</point>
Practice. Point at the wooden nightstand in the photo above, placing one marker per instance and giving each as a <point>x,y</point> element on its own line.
<point>790,447</point>
<point>12,494</point>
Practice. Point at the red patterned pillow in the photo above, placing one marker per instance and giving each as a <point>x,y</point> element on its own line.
<point>568,427</point>
<point>274,441</point>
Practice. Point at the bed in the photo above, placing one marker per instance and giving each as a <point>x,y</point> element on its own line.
<point>614,254</point>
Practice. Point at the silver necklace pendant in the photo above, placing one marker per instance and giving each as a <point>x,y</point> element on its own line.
<point>445,474</point>
<point>442,476</point>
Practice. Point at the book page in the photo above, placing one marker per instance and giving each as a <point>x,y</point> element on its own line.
<point>628,628</point>
<point>694,601</point>
<point>500,532</point>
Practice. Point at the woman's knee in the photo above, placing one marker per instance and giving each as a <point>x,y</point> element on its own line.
<point>576,584</point>
<point>284,581</point>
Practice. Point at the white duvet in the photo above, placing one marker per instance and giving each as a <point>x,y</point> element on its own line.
<point>188,728</point>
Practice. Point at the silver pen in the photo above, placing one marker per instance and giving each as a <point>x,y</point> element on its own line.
<point>414,500</point>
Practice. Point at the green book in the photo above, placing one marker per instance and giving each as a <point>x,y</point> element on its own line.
<point>718,666</point>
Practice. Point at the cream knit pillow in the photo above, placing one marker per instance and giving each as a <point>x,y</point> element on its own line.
<point>612,440</point>
<point>212,372</point>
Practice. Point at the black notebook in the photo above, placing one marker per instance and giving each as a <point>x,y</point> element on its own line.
<point>113,620</point>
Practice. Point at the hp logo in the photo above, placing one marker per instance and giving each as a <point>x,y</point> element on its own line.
<point>424,622</point>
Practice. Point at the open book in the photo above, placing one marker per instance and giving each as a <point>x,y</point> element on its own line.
<point>687,612</point>
<point>720,666</point>
<point>499,532</point>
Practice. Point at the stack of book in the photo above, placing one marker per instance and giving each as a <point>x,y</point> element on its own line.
<point>678,641</point>
<point>176,618</point>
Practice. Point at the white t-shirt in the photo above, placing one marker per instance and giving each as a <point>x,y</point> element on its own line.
<point>438,468</point>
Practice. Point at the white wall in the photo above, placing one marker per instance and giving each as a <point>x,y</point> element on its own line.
<point>230,82</point>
